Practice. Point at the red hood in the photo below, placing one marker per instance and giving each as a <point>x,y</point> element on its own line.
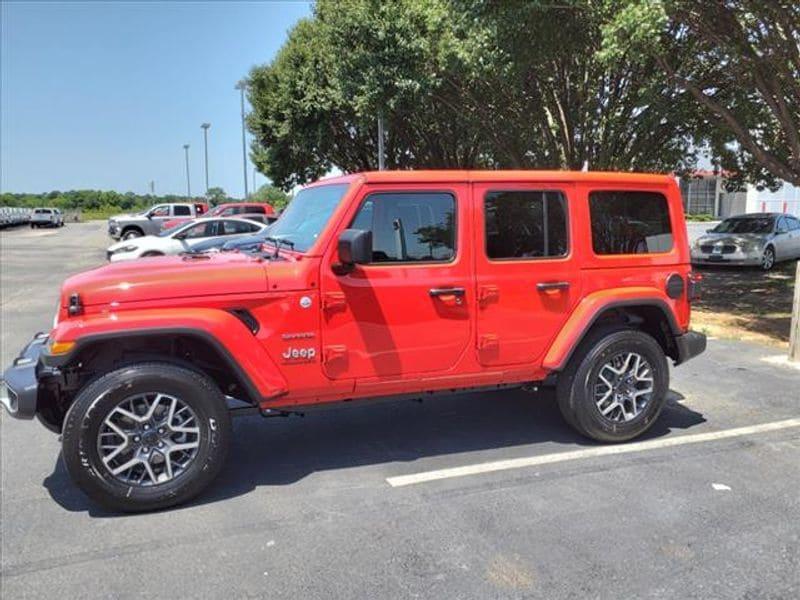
<point>162,278</point>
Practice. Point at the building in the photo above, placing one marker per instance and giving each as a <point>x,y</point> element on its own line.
<point>704,194</point>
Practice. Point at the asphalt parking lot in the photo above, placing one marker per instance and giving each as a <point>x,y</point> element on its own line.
<point>342,504</point>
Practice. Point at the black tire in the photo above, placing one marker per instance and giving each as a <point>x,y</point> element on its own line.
<point>574,389</point>
<point>131,234</point>
<point>95,401</point>
<point>768,259</point>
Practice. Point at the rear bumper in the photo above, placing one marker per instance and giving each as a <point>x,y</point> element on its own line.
<point>20,388</point>
<point>690,344</point>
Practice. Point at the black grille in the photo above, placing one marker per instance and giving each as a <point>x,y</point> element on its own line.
<point>726,249</point>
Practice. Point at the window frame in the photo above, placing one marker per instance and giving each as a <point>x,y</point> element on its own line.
<point>567,224</point>
<point>591,189</point>
<point>416,192</point>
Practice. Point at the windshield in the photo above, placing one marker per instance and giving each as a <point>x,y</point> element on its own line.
<point>307,214</point>
<point>754,225</point>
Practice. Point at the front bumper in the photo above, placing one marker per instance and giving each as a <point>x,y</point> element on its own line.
<point>690,344</point>
<point>20,387</point>
<point>738,258</point>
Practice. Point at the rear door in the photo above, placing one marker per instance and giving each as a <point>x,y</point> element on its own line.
<point>526,273</point>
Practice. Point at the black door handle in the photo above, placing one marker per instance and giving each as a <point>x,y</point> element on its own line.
<point>454,291</point>
<point>545,286</point>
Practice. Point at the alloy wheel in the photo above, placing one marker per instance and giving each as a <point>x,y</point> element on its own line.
<point>768,259</point>
<point>623,387</point>
<point>148,439</point>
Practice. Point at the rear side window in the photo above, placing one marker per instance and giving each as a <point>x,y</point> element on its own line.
<point>409,227</point>
<point>181,211</point>
<point>794,224</point>
<point>629,222</point>
<point>525,224</point>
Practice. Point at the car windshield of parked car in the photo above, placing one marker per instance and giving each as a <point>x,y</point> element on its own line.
<point>756,225</point>
<point>307,214</point>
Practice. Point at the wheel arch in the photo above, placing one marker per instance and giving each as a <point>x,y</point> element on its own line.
<point>651,315</point>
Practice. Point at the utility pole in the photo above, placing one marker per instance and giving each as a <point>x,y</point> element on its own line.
<point>241,86</point>
<point>152,188</point>
<point>205,127</point>
<point>255,189</point>
<point>794,335</point>
<point>381,152</point>
<point>188,186</point>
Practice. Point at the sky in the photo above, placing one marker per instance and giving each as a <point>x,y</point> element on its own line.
<point>103,95</point>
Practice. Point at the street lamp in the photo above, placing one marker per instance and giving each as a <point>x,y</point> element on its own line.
<point>241,85</point>
<point>205,127</point>
<point>188,187</point>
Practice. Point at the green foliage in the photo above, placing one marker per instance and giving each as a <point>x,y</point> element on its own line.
<point>216,195</point>
<point>276,197</point>
<point>739,63</point>
<point>464,84</point>
<point>91,203</point>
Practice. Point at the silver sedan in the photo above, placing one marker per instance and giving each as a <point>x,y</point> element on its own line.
<point>756,239</point>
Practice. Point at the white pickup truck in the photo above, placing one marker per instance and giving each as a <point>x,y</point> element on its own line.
<point>47,217</point>
<point>150,221</point>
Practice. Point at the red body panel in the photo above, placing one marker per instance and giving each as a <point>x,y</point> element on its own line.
<point>375,331</point>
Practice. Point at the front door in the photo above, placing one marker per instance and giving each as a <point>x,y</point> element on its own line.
<point>408,311</point>
<point>526,275</point>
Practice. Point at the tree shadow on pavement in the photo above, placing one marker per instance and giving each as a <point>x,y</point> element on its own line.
<point>748,298</point>
<point>282,451</point>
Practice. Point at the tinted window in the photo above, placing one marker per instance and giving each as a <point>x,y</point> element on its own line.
<point>181,211</point>
<point>525,224</point>
<point>746,225</point>
<point>629,222</point>
<point>409,227</point>
<point>201,230</point>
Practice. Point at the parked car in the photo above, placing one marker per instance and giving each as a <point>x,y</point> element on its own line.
<point>261,212</point>
<point>177,240</point>
<point>151,221</point>
<point>380,284</point>
<point>754,239</point>
<point>46,217</point>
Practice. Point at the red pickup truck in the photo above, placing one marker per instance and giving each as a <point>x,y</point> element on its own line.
<point>387,284</point>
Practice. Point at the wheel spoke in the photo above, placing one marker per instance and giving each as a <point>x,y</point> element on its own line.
<point>622,395</point>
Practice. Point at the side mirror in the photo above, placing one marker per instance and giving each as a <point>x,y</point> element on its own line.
<point>355,248</point>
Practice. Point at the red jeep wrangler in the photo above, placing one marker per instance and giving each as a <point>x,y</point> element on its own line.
<point>388,284</point>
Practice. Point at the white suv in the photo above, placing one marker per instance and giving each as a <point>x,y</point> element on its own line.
<point>47,217</point>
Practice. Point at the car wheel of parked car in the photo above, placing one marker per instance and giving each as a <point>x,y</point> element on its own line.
<point>615,385</point>
<point>131,233</point>
<point>146,436</point>
<point>768,258</point>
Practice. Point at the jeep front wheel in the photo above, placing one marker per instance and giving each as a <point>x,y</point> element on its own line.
<point>615,385</point>
<point>146,436</point>
<point>131,233</point>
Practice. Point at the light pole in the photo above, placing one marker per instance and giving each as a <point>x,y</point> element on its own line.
<point>188,187</point>
<point>205,127</point>
<point>241,86</point>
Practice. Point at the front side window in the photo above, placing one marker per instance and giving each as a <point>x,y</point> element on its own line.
<point>200,230</point>
<point>160,211</point>
<point>629,222</point>
<point>782,226</point>
<point>307,214</point>
<point>794,224</point>
<point>525,224</point>
<point>182,211</point>
<point>409,226</point>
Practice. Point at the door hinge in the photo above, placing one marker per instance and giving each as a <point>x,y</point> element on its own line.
<point>334,301</point>
<point>488,340</point>
<point>488,293</point>
<point>332,353</point>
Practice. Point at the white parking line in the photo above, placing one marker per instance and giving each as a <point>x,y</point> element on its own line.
<point>546,459</point>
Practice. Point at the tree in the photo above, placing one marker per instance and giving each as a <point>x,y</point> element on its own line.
<point>461,84</point>
<point>739,61</point>
<point>271,195</point>
<point>216,195</point>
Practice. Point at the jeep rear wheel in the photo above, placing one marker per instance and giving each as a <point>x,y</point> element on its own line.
<point>615,385</point>
<point>146,436</point>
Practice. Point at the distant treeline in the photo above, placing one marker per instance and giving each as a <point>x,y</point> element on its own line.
<point>87,200</point>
